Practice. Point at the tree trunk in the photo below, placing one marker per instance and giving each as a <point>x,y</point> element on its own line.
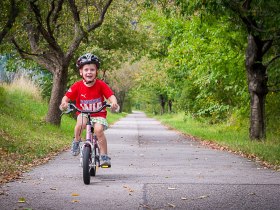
<point>170,106</point>
<point>257,85</point>
<point>58,90</point>
<point>121,97</point>
<point>162,103</point>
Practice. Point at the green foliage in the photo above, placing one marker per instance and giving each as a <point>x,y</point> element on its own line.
<point>210,56</point>
<point>119,39</point>
<point>273,114</point>
<point>200,63</point>
<point>151,83</point>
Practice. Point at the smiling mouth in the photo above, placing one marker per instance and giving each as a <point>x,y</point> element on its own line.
<point>89,77</point>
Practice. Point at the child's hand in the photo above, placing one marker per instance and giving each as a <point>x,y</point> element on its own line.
<point>63,106</point>
<point>115,107</point>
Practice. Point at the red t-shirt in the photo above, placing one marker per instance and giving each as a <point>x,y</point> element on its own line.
<point>90,98</point>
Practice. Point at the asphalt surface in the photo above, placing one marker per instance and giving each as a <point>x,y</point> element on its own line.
<point>152,168</point>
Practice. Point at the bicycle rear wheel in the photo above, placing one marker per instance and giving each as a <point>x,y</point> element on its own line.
<point>86,164</point>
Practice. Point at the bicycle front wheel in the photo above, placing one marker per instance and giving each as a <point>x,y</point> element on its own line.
<point>86,164</point>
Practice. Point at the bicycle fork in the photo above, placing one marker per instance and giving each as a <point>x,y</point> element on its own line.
<point>87,143</point>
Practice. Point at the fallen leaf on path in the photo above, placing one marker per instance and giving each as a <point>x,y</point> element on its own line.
<point>21,200</point>
<point>183,198</point>
<point>2,193</point>
<point>75,201</point>
<point>203,196</point>
<point>171,205</point>
<point>53,188</point>
<point>75,194</point>
<point>129,189</point>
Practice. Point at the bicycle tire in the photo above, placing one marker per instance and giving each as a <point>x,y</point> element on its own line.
<point>93,169</point>
<point>86,163</point>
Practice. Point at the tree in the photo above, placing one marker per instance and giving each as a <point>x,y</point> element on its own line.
<point>50,33</point>
<point>121,81</point>
<point>151,83</point>
<point>261,18</point>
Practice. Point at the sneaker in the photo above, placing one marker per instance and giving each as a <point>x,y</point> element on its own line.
<point>105,161</point>
<point>75,150</point>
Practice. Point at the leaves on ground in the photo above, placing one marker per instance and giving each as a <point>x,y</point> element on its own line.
<point>75,201</point>
<point>21,200</point>
<point>130,190</point>
<point>171,205</point>
<point>13,165</point>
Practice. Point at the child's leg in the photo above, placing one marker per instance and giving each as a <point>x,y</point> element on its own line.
<point>80,126</point>
<point>105,160</point>
<point>102,142</point>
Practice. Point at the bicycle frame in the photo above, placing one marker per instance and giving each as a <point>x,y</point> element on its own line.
<point>91,141</point>
<point>89,132</point>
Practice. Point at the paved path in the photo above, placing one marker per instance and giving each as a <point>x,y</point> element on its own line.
<point>152,168</point>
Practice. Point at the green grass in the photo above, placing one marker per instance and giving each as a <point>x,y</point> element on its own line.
<point>25,138</point>
<point>229,137</point>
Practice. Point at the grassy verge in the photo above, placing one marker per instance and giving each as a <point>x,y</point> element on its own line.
<point>226,137</point>
<point>26,139</point>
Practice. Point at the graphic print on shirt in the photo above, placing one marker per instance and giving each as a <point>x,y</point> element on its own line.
<point>91,105</point>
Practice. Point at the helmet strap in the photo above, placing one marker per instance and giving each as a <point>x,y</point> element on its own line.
<point>89,82</point>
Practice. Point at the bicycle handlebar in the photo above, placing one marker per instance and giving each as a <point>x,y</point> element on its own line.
<point>69,109</point>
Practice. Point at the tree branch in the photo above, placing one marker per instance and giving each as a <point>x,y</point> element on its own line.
<point>45,60</point>
<point>57,10</point>
<point>23,54</point>
<point>266,46</point>
<point>101,17</point>
<point>244,13</point>
<point>13,13</point>
<point>49,17</point>
<point>79,32</point>
<point>272,60</point>
<point>74,11</point>
<point>246,4</point>
<point>53,15</point>
<point>47,36</point>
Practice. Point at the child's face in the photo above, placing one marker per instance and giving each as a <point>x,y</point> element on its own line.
<point>88,72</point>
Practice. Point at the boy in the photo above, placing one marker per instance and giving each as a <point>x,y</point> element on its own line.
<point>89,94</point>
